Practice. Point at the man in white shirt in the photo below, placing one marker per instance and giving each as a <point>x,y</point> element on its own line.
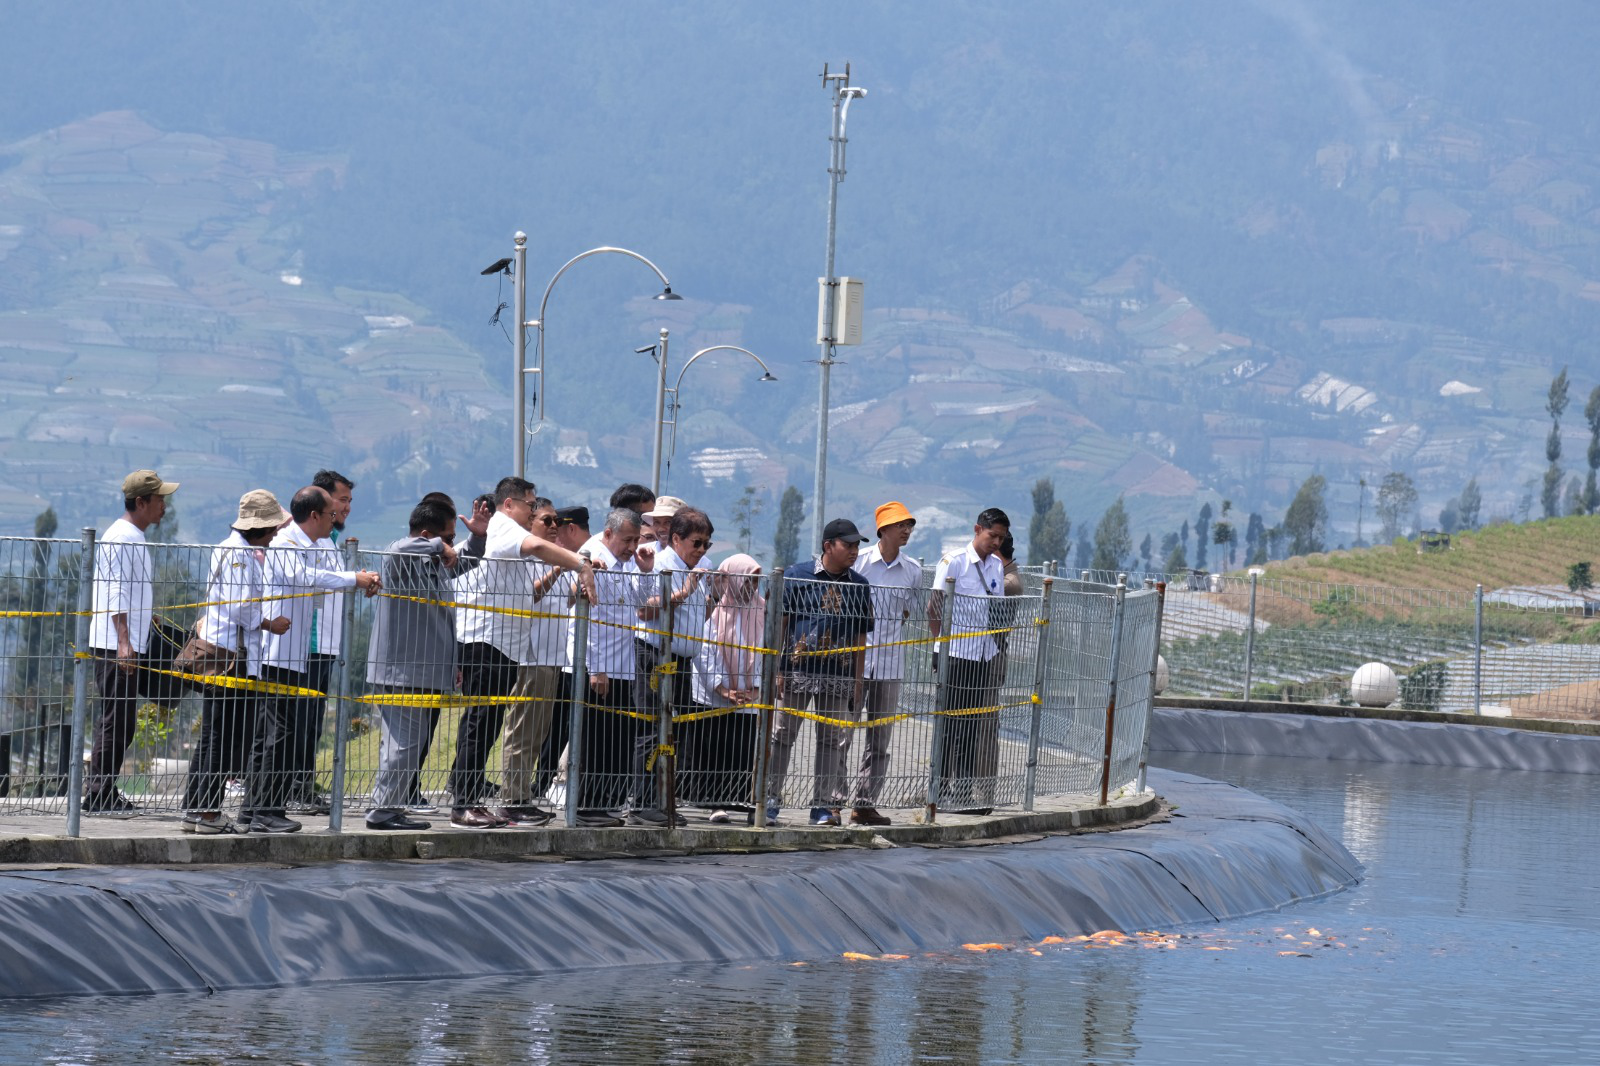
<point>291,572</point>
<point>662,672</point>
<point>605,755</point>
<point>896,581</point>
<point>538,677</point>
<point>327,634</point>
<point>572,532</point>
<point>234,622</point>
<point>119,633</point>
<point>493,642</point>
<point>970,756</point>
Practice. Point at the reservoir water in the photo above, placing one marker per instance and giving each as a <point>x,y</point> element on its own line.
<point>1472,939</point>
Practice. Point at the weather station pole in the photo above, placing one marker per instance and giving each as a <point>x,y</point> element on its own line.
<point>829,318</point>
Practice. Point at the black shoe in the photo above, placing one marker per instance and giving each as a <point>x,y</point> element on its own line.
<point>311,803</point>
<point>525,814</point>
<point>273,823</point>
<point>402,821</point>
<point>598,820</point>
<point>654,818</point>
<point>974,810</point>
<point>109,801</point>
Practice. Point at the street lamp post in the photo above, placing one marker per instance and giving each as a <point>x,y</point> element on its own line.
<point>843,93</point>
<point>520,341</point>
<point>659,352</point>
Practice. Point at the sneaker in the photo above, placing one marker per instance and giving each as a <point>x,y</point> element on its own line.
<point>824,816</point>
<point>109,801</point>
<point>525,814</point>
<point>273,823</point>
<point>597,819</point>
<point>720,817</point>
<point>475,818</point>
<point>209,822</point>
<point>310,803</point>
<point>399,820</point>
<point>423,807</point>
<point>187,824</point>
<point>867,816</point>
<point>654,818</point>
<point>772,812</point>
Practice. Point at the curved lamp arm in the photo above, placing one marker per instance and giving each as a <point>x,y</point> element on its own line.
<point>666,294</point>
<point>766,375</point>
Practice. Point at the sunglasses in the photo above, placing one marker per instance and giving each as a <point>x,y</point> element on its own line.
<point>546,519</point>
<point>699,542</point>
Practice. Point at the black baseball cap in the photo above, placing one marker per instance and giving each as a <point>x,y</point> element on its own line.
<point>573,516</point>
<point>842,529</point>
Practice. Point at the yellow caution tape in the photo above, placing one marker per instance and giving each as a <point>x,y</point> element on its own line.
<point>661,749</point>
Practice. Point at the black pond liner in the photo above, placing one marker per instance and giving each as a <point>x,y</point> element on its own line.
<point>1225,853</point>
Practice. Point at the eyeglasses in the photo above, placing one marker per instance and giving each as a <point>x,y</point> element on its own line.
<point>700,542</point>
<point>546,519</point>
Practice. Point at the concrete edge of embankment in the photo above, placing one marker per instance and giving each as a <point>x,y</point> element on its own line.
<point>167,848</point>
<point>1384,714</point>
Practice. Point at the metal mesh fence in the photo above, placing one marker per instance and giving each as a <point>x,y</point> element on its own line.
<point>1522,652</point>
<point>450,684</point>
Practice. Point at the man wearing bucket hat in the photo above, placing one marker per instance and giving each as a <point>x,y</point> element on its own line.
<point>233,622</point>
<point>119,633</point>
<point>896,581</point>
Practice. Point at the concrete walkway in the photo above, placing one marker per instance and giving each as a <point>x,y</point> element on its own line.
<point>38,839</point>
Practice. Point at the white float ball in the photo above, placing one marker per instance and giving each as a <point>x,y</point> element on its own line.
<point>1162,676</point>
<point>1374,685</point>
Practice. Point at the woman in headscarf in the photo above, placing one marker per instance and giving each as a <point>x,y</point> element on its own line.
<point>720,751</point>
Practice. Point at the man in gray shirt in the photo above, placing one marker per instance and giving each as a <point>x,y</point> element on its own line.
<point>412,652</point>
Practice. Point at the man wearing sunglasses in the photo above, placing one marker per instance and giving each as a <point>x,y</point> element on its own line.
<point>662,672</point>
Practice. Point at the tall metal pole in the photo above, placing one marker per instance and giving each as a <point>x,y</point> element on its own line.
<point>941,702</point>
<point>661,413</point>
<point>1155,667</point>
<point>1250,634</point>
<point>80,686</point>
<point>765,715</point>
<point>341,711</point>
<point>1042,647</point>
<point>519,344</point>
<point>1477,655</point>
<point>1111,697</point>
<point>575,709</point>
<point>843,93</point>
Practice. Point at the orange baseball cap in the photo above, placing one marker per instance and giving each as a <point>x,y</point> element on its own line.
<point>892,513</point>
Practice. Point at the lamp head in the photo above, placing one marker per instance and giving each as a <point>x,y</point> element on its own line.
<point>667,294</point>
<point>500,265</point>
<point>767,377</point>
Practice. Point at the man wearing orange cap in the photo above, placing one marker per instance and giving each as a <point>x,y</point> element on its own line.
<point>895,578</point>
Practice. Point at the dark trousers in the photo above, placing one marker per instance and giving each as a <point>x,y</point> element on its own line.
<point>119,717</point>
<point>605,758</point>
<point>227,735</point>
<point>309,713</point>
<point>555,741</point>
<point>718,760</point>
<point>485,671</point>
<point>969,757</point>
<point>266,787</point>
<point>655,694</point>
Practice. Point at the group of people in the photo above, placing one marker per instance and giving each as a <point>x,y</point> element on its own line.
<point>487,626</point>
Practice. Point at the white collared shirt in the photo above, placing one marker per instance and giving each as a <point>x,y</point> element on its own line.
<point>548,638</point>
<point>122,585</point>
<point>234,590</point>
<point>894,596</point>
<point>330,608</point>
<point>293,568</point>
<point>609,648</point>
<point>503,579</point>
<point>688,617</point>
<point>977,581</point>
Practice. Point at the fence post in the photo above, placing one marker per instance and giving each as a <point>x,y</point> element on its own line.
<point>665,761</point>
<point>766,712</point>
<point>1155,667</point>
<point>575,708</point>
<point>941,698</point>
<point>1250,634</point>
<point>341,712</point>
<point>80,687</point>
<point>1041,649</point>
<point>1477,655</point>
<point>1111,700</point>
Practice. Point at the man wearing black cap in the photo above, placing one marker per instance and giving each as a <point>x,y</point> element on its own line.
<point>827,613</point>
